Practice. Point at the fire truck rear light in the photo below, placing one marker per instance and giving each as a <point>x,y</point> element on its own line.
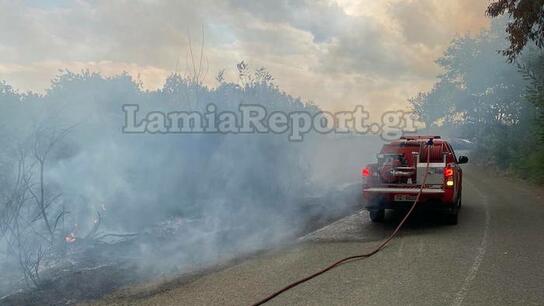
<point>448,172</point>
<point>449,183</point>
<point>366,172</point>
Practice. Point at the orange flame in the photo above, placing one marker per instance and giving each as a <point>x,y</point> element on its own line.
<point>70,238</point>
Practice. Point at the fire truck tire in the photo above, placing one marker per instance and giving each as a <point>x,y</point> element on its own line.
<point>377,215</point>
<point>452,216</point>
<point>460,201</point>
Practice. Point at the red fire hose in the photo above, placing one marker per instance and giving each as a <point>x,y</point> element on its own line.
<point>364,255</point>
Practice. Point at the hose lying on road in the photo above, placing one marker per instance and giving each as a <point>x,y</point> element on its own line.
<point>365,255</point>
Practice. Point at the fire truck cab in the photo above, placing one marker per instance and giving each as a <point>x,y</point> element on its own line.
<point>394,181</point>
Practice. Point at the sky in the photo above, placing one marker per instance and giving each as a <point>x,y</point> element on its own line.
<point>335,53</point>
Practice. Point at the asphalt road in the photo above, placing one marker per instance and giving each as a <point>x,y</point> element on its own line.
<point>494,256</point>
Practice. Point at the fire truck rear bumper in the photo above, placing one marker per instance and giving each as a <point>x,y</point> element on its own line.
<point>404,190</point>
<point>391,198</point>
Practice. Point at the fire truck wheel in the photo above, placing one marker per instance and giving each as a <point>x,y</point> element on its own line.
<point>460,201</point>
<point>377,215</point>
<point>452,217</point>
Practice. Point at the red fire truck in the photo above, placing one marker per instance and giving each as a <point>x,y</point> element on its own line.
<point>395,180</point>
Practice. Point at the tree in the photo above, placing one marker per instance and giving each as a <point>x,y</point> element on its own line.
<point>29,216</point>
<point>436,105</point>
<point>481,97</point>
<point>533,71</point>
<point>526,24</point>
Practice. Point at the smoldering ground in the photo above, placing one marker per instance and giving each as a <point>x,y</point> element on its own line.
<point>155,204</point>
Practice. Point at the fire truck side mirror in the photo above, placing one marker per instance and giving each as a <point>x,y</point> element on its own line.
<point>463,160</point>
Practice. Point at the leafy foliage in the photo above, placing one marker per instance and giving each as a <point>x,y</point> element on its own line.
<point>482,97</point>
<point>527,23</point>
